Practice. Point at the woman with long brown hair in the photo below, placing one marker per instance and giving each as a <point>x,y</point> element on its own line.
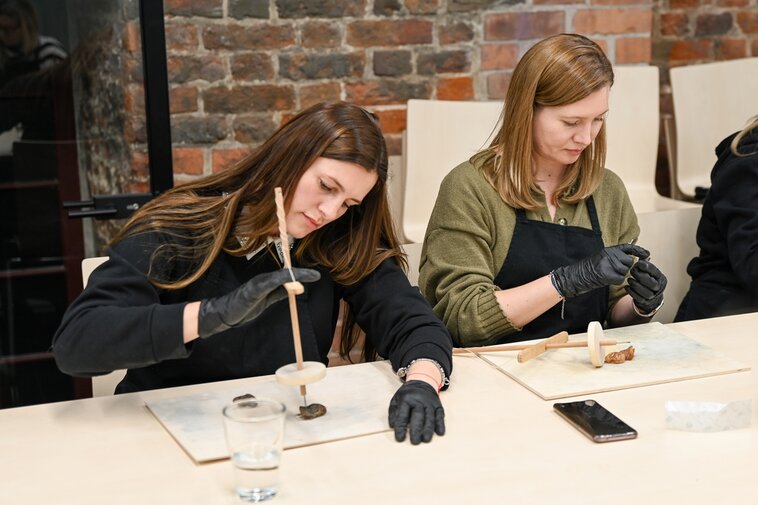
<point>192,291</point>
<point>533,235</point>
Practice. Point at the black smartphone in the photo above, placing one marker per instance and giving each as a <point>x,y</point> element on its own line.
<point>595,421</point>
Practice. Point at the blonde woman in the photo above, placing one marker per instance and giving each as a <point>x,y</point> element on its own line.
<point>192,291</point>
<point>533,235</point>
<point>725,274</point>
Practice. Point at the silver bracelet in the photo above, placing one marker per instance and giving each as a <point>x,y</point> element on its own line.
<point>555,285</point>
<point>649,314</point>
<point>402,372</point>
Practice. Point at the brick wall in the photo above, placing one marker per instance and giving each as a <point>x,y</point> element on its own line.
<point>238,68</point>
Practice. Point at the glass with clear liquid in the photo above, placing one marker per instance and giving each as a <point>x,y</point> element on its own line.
<point>255,438</point>
<point>256,479</point>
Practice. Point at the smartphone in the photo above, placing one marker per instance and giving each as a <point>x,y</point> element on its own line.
<point>596,422</point>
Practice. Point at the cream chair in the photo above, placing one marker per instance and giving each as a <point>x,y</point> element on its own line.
<point>632,136</point>
<point>670,238</point>
<point>439,136</point>
<point>711,101</point>
<point>413,253</point>
<point>102,385</point>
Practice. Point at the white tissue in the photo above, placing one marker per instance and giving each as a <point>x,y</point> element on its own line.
<point>708,416</point>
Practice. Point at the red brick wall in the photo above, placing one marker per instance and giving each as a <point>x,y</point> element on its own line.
<point>239,67</point>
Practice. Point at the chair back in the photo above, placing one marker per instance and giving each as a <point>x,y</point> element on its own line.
<point>90,264</point>
<point>439,136</point>
<point>670,237</point>
<point>711,101</point>
<point>632,132</point>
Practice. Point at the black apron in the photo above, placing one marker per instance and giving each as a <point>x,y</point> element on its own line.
<point>536,249</point>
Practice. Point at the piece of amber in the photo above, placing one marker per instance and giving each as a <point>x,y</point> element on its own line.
<point>619,357</point>
<point>312,411</point>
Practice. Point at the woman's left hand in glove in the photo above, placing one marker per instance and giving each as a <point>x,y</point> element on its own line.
<point>416,408</point>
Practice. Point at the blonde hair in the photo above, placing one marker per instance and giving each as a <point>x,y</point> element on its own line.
<point>24,14</point>
<point>559,70</point>
<point>736,140</point>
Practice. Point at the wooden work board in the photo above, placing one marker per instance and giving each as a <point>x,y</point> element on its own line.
<point>356,397</point>
<point>661,355</point>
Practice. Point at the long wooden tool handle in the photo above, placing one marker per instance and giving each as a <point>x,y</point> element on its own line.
<point>296,334</point>
<point>293,288</point>
<point>521,347</point>
<point>580,343</point>
<point>282,218</point>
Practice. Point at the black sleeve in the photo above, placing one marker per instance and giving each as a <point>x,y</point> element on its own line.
<point>118,321</point>
<point>398,320</point>
<point>734,196</point>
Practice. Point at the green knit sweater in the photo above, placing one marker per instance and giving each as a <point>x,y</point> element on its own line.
<point>467,241</point>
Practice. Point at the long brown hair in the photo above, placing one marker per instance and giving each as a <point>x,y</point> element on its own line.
<point>207,215</point>
<point>559,70</point>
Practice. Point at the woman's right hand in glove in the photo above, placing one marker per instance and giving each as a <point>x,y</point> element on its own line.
<point>608,266</point>
<point>248,301</point>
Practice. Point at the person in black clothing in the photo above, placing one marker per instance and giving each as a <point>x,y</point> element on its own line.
<point>22,49</point>
<point>192,291</point>
<point>27,63</point>
<point>725,274</point>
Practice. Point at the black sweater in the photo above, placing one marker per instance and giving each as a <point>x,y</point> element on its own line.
<point>725,274</point>
<point>122,321</point>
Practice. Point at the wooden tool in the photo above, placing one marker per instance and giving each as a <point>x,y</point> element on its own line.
<point>594,336</point>
<point>299,373</point>
<point>594,344</point>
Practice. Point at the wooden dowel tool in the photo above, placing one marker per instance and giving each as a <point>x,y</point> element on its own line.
<point>521,347</point>
<point>293,288</point>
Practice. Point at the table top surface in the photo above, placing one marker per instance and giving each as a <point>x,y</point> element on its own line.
<point>503,445</point>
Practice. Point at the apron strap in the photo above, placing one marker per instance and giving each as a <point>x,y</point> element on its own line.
<point>593,214</point>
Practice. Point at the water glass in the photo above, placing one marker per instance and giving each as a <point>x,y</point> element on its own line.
<point>255,437</point>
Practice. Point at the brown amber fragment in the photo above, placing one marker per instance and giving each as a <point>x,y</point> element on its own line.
<point>312,411</point>
<point>620,356</point>
<point>246,396</point>
<point>629,353</point>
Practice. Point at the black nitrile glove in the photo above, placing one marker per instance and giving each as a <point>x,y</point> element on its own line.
<point>416,407</point>
<point>248,301</point>
<point>608,266</point>
<point>646,286</point>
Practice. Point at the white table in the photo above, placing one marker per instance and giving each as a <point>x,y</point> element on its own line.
<point>503,445</point>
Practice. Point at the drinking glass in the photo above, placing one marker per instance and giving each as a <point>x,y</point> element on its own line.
<point>255,437</point>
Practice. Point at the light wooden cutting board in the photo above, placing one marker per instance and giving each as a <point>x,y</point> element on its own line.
<point>356,398</point>
<point>661,355</point>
